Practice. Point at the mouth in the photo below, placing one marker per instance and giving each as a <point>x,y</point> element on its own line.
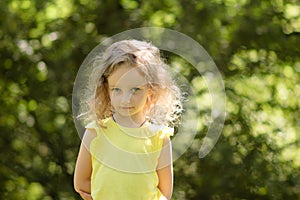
<point>126,107</point>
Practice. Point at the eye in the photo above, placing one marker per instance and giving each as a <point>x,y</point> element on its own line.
<point>135,89</point>
<point>115,89</point>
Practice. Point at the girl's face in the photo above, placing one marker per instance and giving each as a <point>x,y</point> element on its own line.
<point>128,91</point>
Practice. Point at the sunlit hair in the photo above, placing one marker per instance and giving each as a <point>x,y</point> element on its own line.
<point>164,106</point>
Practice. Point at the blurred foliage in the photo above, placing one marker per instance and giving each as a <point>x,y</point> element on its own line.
<point>255,44</point>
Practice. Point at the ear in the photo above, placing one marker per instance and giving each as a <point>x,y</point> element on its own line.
<point>150,93</point>
<point>152,96</point>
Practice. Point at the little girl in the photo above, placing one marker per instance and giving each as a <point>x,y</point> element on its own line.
<point>126,150</point>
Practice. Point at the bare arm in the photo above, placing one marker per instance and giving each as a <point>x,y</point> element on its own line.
<point>165,170</point>
<point>83,168</point>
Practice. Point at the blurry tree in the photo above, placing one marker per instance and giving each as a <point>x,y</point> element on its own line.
<point>254,44</point>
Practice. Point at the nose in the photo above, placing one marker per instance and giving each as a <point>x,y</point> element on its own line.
<point>126,97</point>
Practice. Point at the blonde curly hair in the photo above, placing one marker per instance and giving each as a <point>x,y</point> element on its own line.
<point>165,105</point>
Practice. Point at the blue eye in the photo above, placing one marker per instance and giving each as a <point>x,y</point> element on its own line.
<point>135,89</point>
<point>115,90</point>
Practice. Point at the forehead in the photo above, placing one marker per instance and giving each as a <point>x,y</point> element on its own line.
<point>126,75</point>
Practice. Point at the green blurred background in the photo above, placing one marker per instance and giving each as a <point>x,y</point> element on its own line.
<point>255,44</point>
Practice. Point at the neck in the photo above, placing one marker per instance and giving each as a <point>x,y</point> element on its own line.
<point>130,121</point>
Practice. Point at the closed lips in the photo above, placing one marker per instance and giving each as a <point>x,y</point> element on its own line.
<point>127,107</point>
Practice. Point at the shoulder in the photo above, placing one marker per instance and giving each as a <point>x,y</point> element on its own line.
<point>162,132</point>
<point>97,125</point>
<point>166,132</point>
<point>162,129</point>
<point>88,136</point>
<point>92,129</point>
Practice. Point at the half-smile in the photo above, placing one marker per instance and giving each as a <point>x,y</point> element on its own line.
<point>126,107</point>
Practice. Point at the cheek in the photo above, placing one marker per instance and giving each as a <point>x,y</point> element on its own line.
<point>140,98</point>
<point>114,99</point>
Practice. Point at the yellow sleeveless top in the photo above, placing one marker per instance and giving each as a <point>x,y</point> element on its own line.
<point>124,161</point>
